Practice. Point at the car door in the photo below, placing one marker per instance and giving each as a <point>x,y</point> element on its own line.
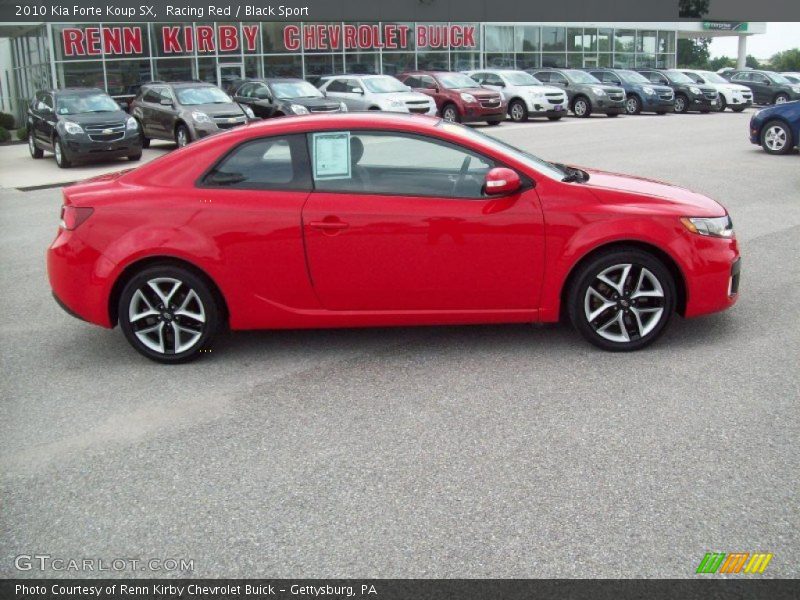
<point>48,119</point>
<point>337,88</point>
<point>146,109</point>
<point>494,82</point>
<point>399,222</point>
<point>258,97</point>
<point>762,90</point>
<point>429,87</point>
<point>166,113</point>
<point>35,116</point>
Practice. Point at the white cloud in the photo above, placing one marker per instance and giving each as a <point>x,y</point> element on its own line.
<point>779,36</point>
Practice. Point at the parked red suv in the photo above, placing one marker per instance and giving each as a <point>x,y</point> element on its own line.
<point>458,97</point>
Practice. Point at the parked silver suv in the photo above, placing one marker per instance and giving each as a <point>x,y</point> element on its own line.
<point>526,95</point>
<point>185,111</point>
<point>376,92</point>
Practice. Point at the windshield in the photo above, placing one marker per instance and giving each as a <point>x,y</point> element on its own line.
<point>710,77</point>
<point>456,81</point>
<point>534,162</point>
<point>384,85</point>
<point>295,89</point>
<point>521,78</point>
<point>76,104</point>
<point>581,77</point>
<point>778,78</point>
<point>189,96</point>
<point>677,77</point>
<point>633,77</point>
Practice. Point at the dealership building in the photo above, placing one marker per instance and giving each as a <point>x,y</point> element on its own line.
<point>119,57</point>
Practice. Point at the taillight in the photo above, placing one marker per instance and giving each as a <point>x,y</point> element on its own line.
<point>73,216</point>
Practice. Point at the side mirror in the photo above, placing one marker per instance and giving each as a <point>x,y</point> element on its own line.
<point>263,94</point>
<point>124,105</point>
<point>165,102</point>
<point>501,180</point>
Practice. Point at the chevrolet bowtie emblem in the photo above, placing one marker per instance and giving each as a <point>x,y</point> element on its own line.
<point>232,120</point>
<point>106,131</point>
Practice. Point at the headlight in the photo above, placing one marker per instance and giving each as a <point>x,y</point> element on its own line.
<point>649,91</point>
<point>342,107</point>
<point>131,124</point>
<point>249,112</point>
<point>694,90</point>
<point>468,98</point>
<point>201,117</point>
<point>796,89</point>
<point>537,94</point>
<point>714,227</point>
<point>72,127</point>
<point>298,109</point>
<point>599,91</point>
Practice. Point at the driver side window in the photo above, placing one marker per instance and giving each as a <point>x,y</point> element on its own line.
<point>403,165</point>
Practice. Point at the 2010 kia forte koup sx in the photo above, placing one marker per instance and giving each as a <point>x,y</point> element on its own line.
<point>357,220</point>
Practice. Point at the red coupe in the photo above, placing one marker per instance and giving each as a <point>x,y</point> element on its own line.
<point>356,220</point>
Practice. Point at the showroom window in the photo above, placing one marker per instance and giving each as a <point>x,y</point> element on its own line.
<point>554,39</point>
<point>397,165</point>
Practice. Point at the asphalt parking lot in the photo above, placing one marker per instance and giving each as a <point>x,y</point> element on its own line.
<point>502,451</point>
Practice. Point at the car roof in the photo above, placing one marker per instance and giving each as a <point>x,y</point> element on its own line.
<point>72,89</point>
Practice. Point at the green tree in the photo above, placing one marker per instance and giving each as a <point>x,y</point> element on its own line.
<point>752,62</point>
<point>693,53</point>
<point>788,60</point>
<point>715,64</point>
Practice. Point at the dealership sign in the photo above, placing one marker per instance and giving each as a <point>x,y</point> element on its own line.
<point>177,39</point>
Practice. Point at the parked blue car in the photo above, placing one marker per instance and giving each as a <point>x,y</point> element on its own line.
<point>777,128</point>
<point>641,95</point>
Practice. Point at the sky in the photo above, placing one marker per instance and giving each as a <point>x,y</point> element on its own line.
<point>779,36</point>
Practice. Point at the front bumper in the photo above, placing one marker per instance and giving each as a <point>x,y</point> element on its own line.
<point>604,104</point>
<point>656,104</point>
<point>738,99</point>
<point>473,112</point>
<point>702,103</point>
<point>542,107</point>
<point>712,280</point>
<point>84,149</point>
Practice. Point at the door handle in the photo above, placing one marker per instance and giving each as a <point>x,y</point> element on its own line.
<point>329,225</point>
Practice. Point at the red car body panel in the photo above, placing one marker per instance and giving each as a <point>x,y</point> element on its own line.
<point>400,261</point>
<point>469,112</point>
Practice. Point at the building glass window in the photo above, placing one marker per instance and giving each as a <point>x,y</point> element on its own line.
<point>575,60</point>
<point>433,61</point>
<point>499,61</point>
<point>528,60</point>
<point>321,64</point>
<point>624,40</point>
<point>397,62</point>
<point>173,69</point>
<point>176,39</point>
<point>466,61</point>
<point>207,69</point>
<point>666,42</point>
<point>272,37</point>
<point>554,60</point>
<point>81,74</point>
<point>363,62</point>
<point>575,39</point>
<point>125,77</point>
<point>646,42</point>
<point>554,39</point>
<point>624,60</point>
<point>526,38</point>
<point>69,40</point>
<point>284,66</point>
<point>498,39</point>
<point>604,40</point>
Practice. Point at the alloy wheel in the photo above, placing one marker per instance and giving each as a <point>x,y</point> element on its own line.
<point>775,138</point>
<point>580,108</point>
<point>167,316</point>
<point>781,99</point>
<point>517,112</point>
<point>57,152</point>
<point>31,144</point>
<point>680,104</point>
<point>624,302</point>
<point>632,105</point>
<point>450,114</point>
<point>183,137</point>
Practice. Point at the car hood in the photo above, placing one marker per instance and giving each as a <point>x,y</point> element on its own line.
<point>217,110</point>
<point>478,92</point>
<point>682,201</point>
<point>403,96</point>
<point>312,102</point>
<point>727,86</point>
<point>545,89</point>
<point>114,117</point>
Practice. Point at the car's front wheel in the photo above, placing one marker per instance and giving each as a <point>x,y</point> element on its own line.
<point>622,300</point>
<point>518,111</point>
<point>781,99</point>
<point>722,104</point>
<point>582,108</point>
<point>168,314</point>
<point>35,151</point>
<point>182,136</point>
<point>681,104</point>
<point>450,113</point>
<point>633,106</point>
<point>58,150</point>
<point>776,138</point>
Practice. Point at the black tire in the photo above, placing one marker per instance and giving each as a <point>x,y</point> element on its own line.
<point>582,107</point>
<point>705,111</point>
<point>738,108</point>
<point>661,112</point>
<point>450,113</point>
<point>61,159</point>
<point>722,104</point>
<point>781,98</point>
<point>204,303</point>
<point>557,118</point>
<point>135,157</point>
<point>374,108</point>
<point>581,301</point>
<point>180,131</point>
<point>517,111</point>
<point>35,151</point>
<point>493,123</point>
<point>145,139</point>
<point>633,105</point>
<point>776,138</point>
<point>681,104</point>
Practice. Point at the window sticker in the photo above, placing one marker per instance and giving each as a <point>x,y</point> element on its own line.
<point>331,155</point>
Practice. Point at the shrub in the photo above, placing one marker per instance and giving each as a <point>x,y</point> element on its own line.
<point>5,136</point>
<point>22,133</point>
<point>7,121</point>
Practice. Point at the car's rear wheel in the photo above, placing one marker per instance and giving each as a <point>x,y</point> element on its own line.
<point>633,106</point>
<point>493,123</point>
<point>518,111</point>
<point>555,118</point>
<point>168,314</point>
<point>738,108</point>
<point>58,150</point>
<point>681,104</point>
<point>622,300</point>
<point>450,113</point>
<point>145,139</point>
<point>32,148</point>
<point>722,104</point>
<point>582,108</point>
<point>136,156</point>
<point>182,136</point>
<point>776,138</point>
<point>781,99</point>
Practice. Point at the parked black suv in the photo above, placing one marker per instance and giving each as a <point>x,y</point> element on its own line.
<point>185,111</point>
<point>689,96</point>
<point>640,94</point>
<point>277,97</point>
<point>80,124</point>
<point>768,87</point>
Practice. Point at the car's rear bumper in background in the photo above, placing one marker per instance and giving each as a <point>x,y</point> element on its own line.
<point>79,277</point>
